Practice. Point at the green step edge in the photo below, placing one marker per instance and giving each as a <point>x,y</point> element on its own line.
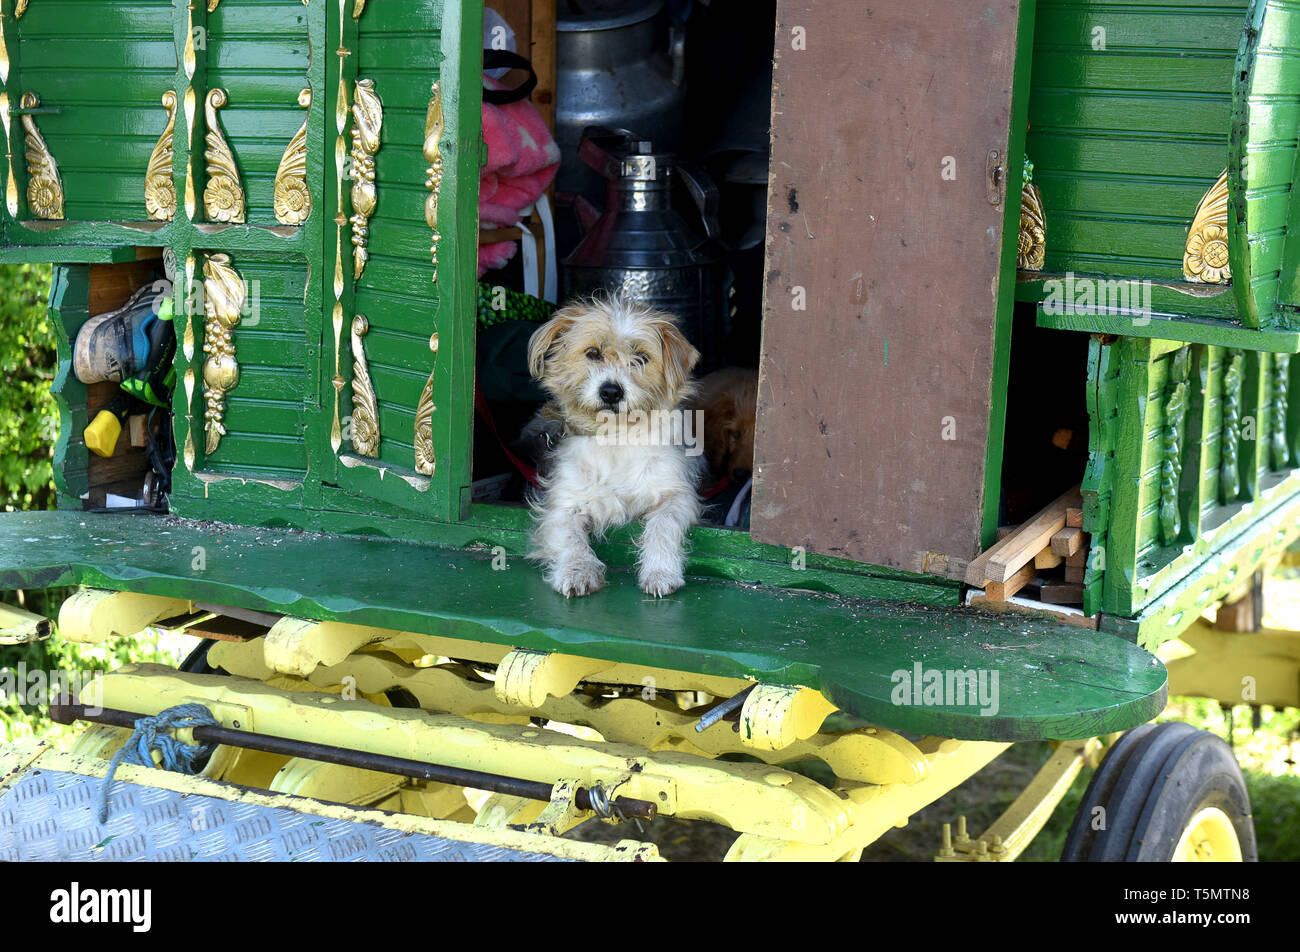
<point>1054,681</point>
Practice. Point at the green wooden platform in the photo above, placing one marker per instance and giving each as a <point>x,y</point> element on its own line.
<point>1054,682</point>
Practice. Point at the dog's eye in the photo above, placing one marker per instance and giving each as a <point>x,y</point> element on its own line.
<point>641,358</point>
<point>593,353</point>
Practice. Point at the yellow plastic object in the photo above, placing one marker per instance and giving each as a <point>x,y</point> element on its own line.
<point>102,434</point>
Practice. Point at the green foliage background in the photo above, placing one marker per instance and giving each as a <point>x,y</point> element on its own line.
<point>29,424</point>
<point>28,419</point>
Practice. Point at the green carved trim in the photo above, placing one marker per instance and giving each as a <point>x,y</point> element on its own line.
<point>1184,329</point>
<point>1279,385</point>
<point>1261,543</point>
<point>1230,438</point>
<point>1171,448</point>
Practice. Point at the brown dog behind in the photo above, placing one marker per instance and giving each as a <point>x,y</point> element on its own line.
<point>729,399</point>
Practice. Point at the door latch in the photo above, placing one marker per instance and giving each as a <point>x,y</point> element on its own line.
<point>995,181</point>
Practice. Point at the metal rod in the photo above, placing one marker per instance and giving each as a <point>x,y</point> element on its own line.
<point>64,710</point>
<point>722,710</point>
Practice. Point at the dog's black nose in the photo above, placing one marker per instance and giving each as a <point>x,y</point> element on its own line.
<point>740,475</point>
<point>610,394</point>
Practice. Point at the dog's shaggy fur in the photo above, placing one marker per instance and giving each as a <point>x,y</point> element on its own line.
<point>602,359</point>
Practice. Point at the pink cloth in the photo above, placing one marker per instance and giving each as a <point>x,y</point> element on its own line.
<point>521,162</point>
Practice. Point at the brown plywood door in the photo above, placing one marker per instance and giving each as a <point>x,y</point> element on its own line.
<point>884,271</point>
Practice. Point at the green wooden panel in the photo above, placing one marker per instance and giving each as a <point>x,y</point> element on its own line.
<point>1054,681</point>
<point>258,53</point>
<point>104,66</point>
<point>1129,120</point>
<point>1262,161</point>
<point>403,49</point>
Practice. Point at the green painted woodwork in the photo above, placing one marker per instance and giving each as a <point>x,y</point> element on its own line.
<point>1054,682</point>
<point>1227,482</point>
<point>1260,544</point>
<point>713,553</point>
<point>1176,327</point>
<point>104,67</point>
<point>1262,161</point>
<point>1006,288</point>
<point>404,48</point>
<point>1129,121</point>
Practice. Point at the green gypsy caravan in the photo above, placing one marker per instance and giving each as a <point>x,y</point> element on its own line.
<point>1021,285</point>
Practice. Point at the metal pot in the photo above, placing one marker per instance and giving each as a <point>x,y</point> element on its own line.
<point>641,245</point>
<point>614,70</point>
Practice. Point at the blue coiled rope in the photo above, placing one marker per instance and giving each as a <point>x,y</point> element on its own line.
<point>149,736</point>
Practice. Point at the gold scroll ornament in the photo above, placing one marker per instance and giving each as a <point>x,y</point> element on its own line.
<point>292,196</point>
<point>159,189</point>
<point>433,126</point>
<point>1205,256</point>
<point>359,7</point>
<point>223,301</point>
<point>365,406</point>
<point>223,196</point>
<point>424,458</point>
<point>1033,230</point>
<point>44,186</point>
<point>368,112</point>
<point>1032,246</point>
<point>19,9</point>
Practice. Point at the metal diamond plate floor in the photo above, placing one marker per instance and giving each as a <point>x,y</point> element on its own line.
<point>53,815</point>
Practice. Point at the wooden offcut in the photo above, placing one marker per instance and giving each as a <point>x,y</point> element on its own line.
<point>1067,541</point>
<point>1062,593</point>
<point>1074,518</point>
<point>1001,591</point>
<point>1047,559</point>
<point>1007,557</point>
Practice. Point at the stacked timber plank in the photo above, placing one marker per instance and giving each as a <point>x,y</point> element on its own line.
<point>1042,559</point>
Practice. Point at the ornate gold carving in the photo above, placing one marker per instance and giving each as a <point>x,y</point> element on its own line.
<point>190,59</point>
<point>358,8</point>
<point>223,300</point>
<point>1033,230</point>
<point>365,407</point>
<point>1205,257</point>
<point>1171,446</point>
<point>1230,433</point>
<point>212,5</point>
<point>4,56</point>
<point>1033,224</point>
<point>223,196</point>
<point>44,186</point>
<point>159,189</point>
<point>433,126</point>
<point>368,113</point>
<point>340,220</point>
<point>292,196</point>
<point>20,8</point>
<point>424,459</point>
<point>11,189</point>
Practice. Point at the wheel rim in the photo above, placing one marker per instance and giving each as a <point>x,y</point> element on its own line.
<point>1209,837</point>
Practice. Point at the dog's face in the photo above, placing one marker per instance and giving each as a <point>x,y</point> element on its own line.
<point>611,355</point>
<point>729,437</point>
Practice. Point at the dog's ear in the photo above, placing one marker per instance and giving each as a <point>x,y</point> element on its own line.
<point>544,338</point>
<point>680,357</point>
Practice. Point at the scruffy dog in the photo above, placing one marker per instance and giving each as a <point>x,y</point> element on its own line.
<point>616,370</point>
<point>729,401</point>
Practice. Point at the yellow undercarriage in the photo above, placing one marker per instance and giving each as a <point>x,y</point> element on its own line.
<point>568,721</point>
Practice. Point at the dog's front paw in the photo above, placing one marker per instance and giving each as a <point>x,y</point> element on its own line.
<point>660,582</point>
<point>578,578</point>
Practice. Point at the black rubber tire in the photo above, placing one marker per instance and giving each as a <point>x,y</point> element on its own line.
<point>1150,785</point>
